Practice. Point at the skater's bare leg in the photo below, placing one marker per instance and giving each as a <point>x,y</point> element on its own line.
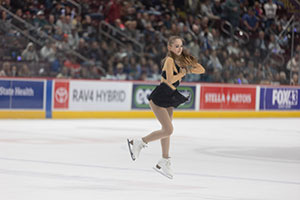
<point>165,142</point>
<point>163,117</point>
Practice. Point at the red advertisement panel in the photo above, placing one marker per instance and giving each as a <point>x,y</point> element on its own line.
<point>220,97</point>
<point>61,94</point>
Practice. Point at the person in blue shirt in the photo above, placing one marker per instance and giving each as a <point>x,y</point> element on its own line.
<point>250,21</point>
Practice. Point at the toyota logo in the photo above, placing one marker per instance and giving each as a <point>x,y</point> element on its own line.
<point>61,95</point>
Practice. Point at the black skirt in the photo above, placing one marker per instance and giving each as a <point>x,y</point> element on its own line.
<point>164,96</point>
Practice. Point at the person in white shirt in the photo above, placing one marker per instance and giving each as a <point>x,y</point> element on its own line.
<point>270,12</point>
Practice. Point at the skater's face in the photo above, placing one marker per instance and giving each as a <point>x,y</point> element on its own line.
<point>176,47</point>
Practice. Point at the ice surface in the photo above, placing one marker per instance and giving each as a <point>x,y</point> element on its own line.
<point>212,159</point>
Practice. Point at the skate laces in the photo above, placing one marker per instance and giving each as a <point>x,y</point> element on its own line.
<point>143,144</point>
<point>168,163</point>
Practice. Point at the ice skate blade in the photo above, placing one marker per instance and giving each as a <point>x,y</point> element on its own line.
<point>130,151</point>
<point>168,176</point>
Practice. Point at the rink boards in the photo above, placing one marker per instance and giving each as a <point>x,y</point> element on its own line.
<point>65,98</point>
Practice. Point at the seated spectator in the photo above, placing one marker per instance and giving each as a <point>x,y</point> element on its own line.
<point>233,48</point>
<point>227,77</point>
<point>4,23</point>
<point>192,6</point>
<point>293,64</point>
<point>112,11</point>
<point>14,71</point>
<point>57,10</point>
<point>110,75</point>
<point>217,9</point>
<point>155,73</point>
<point>64,73</point>
<point>258,10</point>
<point>206,9</point>
<point>67,25</point>
<point>30,54</point>
<point>216,76</point>
<point>24,71</point>
<point>63,45</point>
<point>120,74</point>
<point>214,61</point>
<point>6,70</point>
<point>282,78</point>
<point>194,48</point>
<point>17,22</point>
<point>135,69</point>
<point>58,35</point>
<point>40,20</point>
<point>73,39</point>
<point>261,44</point>
<point>83,47</point>
<point>50,26</point>
<point>240,79</point>
<point>217,41</point>
<point>48,52</point>
<point>206,39</point>
<point>94,51</point>
<point>274,46</point>
<point>6,4</point>
<point>71,63</point>
<point>89,31</point>
<point>131,30</point>
<point>295,80</point>
<point>60,22</point>
<point>232,12</point>
<point>250,69</point>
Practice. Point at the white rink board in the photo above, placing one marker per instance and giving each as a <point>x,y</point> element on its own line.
<point>100,96</point>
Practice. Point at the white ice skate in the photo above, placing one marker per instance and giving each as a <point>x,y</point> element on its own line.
<point>164,167</point>
<point>135,147</point>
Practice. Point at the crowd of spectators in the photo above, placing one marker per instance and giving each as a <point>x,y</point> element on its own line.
<point>264,57</point>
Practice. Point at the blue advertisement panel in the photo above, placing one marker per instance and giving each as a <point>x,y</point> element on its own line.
<point>141,91</point>
<point>5,91</point>
<point>16,94</point>
<point>279,99</point>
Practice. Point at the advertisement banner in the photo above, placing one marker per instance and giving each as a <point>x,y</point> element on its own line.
<point>141,91</point>
<point>233,98</point>
<point>61,95</point>
<point>6,93</point>
<point>19,94</point>
<point>92,95</point>
<point>279,98</point>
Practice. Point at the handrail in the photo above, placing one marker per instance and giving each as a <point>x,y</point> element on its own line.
<point>241,33</point>
<point>286,26</point>
<point>26,34</point>
<point>111,29</point>
<point>77,5</point>
<point>227,23</point>
<point>232,32</point>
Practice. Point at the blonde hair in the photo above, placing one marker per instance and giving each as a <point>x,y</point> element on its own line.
<point>185,59</point>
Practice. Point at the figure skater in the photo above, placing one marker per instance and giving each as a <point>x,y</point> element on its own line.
<point>164,98</point>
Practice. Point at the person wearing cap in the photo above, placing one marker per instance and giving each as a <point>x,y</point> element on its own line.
<point>40,20</point>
